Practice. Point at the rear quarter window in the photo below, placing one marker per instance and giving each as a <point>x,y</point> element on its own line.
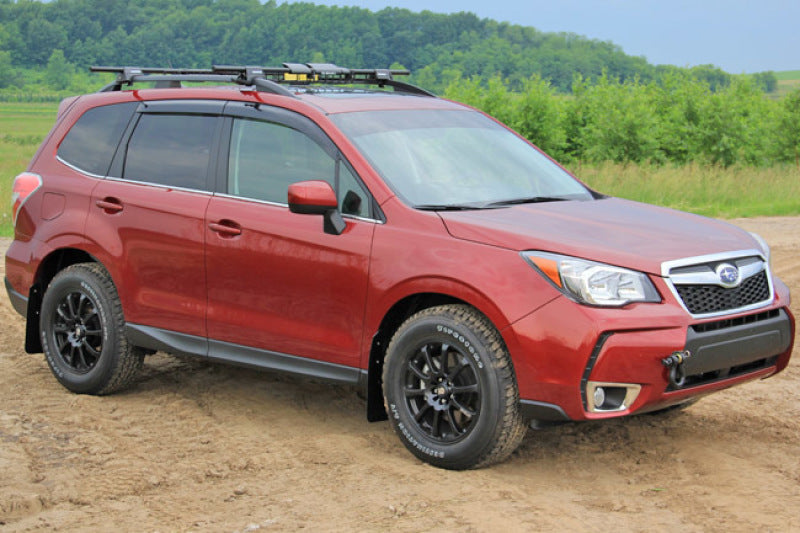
<point>91,142</point>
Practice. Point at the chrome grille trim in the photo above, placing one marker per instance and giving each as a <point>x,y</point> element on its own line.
<point>699,271</point>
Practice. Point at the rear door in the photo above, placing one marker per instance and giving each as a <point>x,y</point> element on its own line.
<point>277,283</point>
<point>149,217</point>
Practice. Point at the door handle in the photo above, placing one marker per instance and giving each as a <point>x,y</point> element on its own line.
<point>109,205</point>
<point>226,228</point>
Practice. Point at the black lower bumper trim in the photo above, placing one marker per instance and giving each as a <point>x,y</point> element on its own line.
<point>544,412</point>
<point>19,301</point>
<point>738,345</point>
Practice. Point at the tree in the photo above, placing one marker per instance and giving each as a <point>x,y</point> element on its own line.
<point>539,117</point>
<point>767,80</point>
<point>789,128</point>
<point>620,123</point>
<point>59,71</point>
<point>715,77</point>
<point>6,69</point>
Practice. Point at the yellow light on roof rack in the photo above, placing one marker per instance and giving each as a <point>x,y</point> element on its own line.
<point>295,77</point>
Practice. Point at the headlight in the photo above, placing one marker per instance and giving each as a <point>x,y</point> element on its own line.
<point>763,245</point>
<point>593,283</point>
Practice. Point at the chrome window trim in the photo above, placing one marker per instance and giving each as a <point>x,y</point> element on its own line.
<point>286,205</point>
<point>703,279</point>
<point>363,219</point>
<point>78,169</point>
<point>137,182</point>
<point>160,185</point>
<point>253,200</point>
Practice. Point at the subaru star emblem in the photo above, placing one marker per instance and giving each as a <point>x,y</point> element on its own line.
<point>729,275</point>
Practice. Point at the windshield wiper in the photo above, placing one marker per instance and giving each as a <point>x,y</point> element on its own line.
<point>489,205</point>
<point>527,200</point>
<point>449,207</point>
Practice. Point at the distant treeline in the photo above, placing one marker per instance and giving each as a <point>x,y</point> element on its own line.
<point>70,35</point>
<point>677,119</point>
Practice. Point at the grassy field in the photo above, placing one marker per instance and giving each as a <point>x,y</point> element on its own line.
<point>22,128</point>
<point>788,80</point>
<point>712,191</point>
<point>788,75</point>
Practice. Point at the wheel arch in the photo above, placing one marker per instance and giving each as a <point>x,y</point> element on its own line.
<point>53,263</point>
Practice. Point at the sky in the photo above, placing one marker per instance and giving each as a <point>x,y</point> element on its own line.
<point>739,36</point>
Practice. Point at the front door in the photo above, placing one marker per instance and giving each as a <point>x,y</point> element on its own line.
<point>276,281</point>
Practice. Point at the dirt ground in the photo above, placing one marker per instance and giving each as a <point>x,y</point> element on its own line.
<point>195,446</point>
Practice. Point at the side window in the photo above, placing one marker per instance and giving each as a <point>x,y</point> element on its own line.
<point>171,150</point>
<point>92,140</point>
<point>266,157</point>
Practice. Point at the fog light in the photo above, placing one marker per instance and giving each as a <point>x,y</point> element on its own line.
<point>604,397</point>
<point>599,397</point>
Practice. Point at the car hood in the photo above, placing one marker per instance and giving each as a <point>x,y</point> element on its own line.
<point>609,230</point>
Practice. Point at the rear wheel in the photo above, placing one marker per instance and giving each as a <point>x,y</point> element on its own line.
<point>450,389</point>
<point>83,332</point>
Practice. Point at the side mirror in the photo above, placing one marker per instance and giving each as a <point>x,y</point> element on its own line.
<point>317,198</point>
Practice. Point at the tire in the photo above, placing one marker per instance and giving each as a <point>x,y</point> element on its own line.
<point>83,332</point>
<point>450,389</point>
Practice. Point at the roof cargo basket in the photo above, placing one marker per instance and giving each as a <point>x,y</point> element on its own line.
<point>264,79</point>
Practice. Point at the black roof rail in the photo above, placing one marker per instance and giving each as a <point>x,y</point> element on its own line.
<point>265,79</point>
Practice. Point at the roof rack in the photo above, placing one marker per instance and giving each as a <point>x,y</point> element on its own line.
<point>264,79</point>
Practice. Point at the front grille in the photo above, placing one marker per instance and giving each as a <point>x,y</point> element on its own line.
<point>702,299</point>
<point>735,322</point>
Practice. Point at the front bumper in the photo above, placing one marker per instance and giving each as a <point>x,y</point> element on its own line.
<point>564,352</point>
<point>729,348</point>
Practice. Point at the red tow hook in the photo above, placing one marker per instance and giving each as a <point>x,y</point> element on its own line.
<point>677,374</point>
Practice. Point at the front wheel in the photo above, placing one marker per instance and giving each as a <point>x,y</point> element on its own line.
<point>83,332</point>
<point>450,389</point>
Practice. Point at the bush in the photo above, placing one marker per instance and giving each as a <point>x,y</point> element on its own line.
<point>677,119</point>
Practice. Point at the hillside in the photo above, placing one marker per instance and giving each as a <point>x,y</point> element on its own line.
<point>197,33</point>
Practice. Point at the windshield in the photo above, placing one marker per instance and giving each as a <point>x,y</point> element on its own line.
<point>456,158</point>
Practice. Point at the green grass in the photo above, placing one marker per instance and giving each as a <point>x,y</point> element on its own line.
<point>787,75</point>
<point>784,88</point>
<point>22,128</point>
<point>705,190</point>
<point>712,191</point>
<point>788,81</point>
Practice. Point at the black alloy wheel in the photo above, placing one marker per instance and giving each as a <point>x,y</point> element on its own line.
<point>78,331</point>
<point>442,391</point>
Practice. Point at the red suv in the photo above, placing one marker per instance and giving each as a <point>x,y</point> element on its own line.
<point>307,219</point>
